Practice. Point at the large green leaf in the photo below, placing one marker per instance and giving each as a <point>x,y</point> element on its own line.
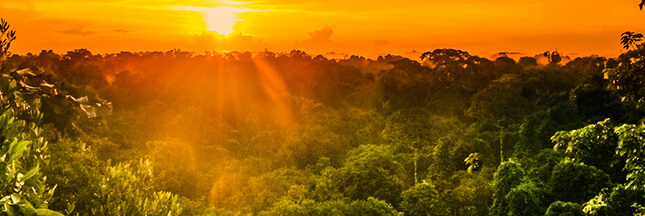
<point>17,148</point>
<point>47,212</point>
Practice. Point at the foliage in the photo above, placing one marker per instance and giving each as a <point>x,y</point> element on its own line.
<point>537,128</point>
<point>466,193</point>
<point>597,205</point>
<point>422,199</point>
<point>264,190</point>
<point>371,171</point>
<point>415,134</point>
<point>527,199</point>
<point>625,201</point>
<point>175,163</point>
<point>23,190</point>
<point>627,79</point>
<point>126,190</point>
<point>508,176</point>
<point>22,187</point>
<point>473,162</point>
<point>630,40</point>
<point>593,144</point>
<point>632,148</point>
<point>577,182</point>
<point>6,37</point>
<point>553,57</point>
<point>541,165</point>
<point>370,206</point>
<point>73,163</point>
<point>560,208</point>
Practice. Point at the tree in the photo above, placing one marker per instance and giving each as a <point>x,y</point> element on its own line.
<point>125,190</point>
<point>632,148</point>
<point>593,145</point>
<point>423,199</point>
<point>305,145</point>
<point>508,176</point>
<point>553,56</point>
<point>371,171</point>
<point>541,165</point>
<point>527,199</point>
<point>631,39</point>
<point>465,193</point>
<point>504,105</point>
<point>73,164</point>
<point>175,164</point>
<point>625,201</point>
<point>559,208</point>
<point>264,190</point>
<point>412,130</point>
<point>577,182</point>
<point>445,57</point>
<point>369,206</point>
<point>534,133</point>
<point>526,61</point>
<point>515,194</point>
<point>572,181</point>
<point>627,80</point>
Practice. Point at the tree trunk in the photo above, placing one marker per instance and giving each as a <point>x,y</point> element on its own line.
<point>416,158</point>
<point>501,144</point>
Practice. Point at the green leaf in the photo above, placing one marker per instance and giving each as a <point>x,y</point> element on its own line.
<point>47,212</point>
<point>27,209</point>
<point>15,198</point>
<point>17,148</point>
<point>31,173</point>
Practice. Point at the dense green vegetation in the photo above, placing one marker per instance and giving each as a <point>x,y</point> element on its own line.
<point>169,133</point>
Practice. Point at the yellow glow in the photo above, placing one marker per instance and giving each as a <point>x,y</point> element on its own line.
<point>219,19</point>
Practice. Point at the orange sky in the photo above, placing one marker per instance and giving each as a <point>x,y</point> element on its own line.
<point>368,28</point>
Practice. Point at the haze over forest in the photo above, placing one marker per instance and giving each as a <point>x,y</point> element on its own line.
<point>322,125</point>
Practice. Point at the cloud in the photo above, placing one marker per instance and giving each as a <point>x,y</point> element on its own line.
<point>320,36</point>
<point>381,43</point>
<point>78,30</point>
<point>412,54</point>
<point>121,30</point>
<point>514,55</point>
<point>319,41</point>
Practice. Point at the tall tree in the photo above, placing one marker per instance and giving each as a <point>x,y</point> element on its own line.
<point>631,39</point>
<point>508,176</point>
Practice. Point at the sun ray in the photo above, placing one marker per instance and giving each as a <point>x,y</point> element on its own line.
<point>276,89</point>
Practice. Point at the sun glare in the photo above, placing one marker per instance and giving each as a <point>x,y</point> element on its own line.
<point>219,19</point>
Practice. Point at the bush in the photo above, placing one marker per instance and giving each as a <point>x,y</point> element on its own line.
<point>559,208</point>
<point>126,190</point>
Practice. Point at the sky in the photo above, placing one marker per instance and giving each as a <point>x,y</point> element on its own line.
<point>331,27</point>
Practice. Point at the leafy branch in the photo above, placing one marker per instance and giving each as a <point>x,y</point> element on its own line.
<point>6,37</point>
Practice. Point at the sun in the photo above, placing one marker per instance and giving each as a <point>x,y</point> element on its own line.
<point>221,19</point>
<point>218,19</point>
